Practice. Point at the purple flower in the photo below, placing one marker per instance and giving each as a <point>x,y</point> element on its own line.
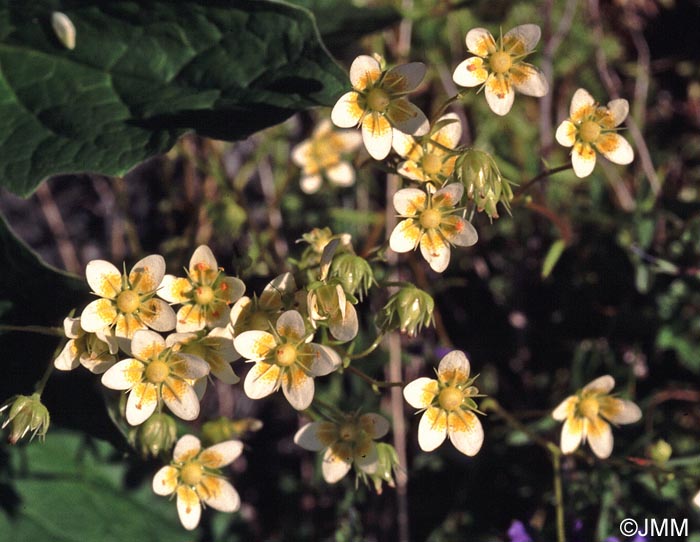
<point>517,532</point>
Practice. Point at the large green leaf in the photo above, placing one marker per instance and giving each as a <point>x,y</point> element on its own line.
<point>70,489</point>
<point>144,72</point>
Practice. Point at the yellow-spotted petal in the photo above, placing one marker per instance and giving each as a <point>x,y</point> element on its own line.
<point>618,111</point>
<point>459,231</point>
<point>346,112</point>
<point>564,409</point>
<point>376,135</point>
<point>219,494</point>
<point>174,289</point>
<point>262,380</point>
<point>407,118</point>
<point>147,274</point>
<point>435,250</point>
<point>454,368</point>
<point>580,103</point>
<point>146,344</point>
<point>522,39</point>
<point>404,77</point>
<point>619,411</point>
<point>364,72</point>
<point>221,454</point>
<point>298,387</point>
<point>404,144</point>
<point>583,159</point>
<point>142,402</point>
<point>405,236</point>
<point>291,324</point>
<point>230,289</point>
<point>202,260</point>
<point>189,318</point>
<point>345,327</point>
<point>499,95</point>
<point>432,429</point>
<point>410,169</point>
<point>123,375</point>
<point>409,201</point>
<point>180,398</point>
<point>450,134</point>
<point>189,367</point>
<point>104,278</point>
<point>529,80</point>
<point>566,134</point>
<point>309,436</point>
<point>374,425</point>
<point>254,345</point>
<point>599,436</point>
<point>470,72</point>
<point>187,447</point>
<point>571,434</point>
<point>615,148</point>
<point>334,467</point>
<point>341,174</point>
<point>98,315</point>
<point>189,510</point>
<point>158,315</point>
<point>480,42</point>
<point>421,392</point>
<point>366,457</point>
<point>127,325</point>
<point>325,360</point>
<point>465,431</point>
<point>602,384</point>
<point>165,481</point>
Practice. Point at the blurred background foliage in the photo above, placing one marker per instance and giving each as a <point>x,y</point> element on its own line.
<point>619,294</point>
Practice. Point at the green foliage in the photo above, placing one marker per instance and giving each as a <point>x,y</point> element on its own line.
<point>142,74</point>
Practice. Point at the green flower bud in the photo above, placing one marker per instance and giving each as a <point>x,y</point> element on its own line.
<point>224,428</point>
<point>660,451</point>
<point>156,435</point>
<point>26,414</point>
<point>408,310</point>
<point>483,182</point>
<point>387,465</point>
<point>354,274</point>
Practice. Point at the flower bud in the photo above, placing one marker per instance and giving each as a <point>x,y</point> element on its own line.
<point>354,274</point>
<point>483,182</point>
<point>156,435</point>
<point>408,310</point>
<point>387,465</point>
<point>224,428</point>
<point>660,451</point>
<point>26,414</point>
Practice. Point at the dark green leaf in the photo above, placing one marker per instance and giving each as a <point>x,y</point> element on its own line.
<point>143,73</point>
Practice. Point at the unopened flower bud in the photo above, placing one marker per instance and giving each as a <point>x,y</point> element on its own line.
<point>224,428</point>
<point>483,182</point>
<point>408,310</point>
<point>387,465</point>
<point>660,451</point>
<point>354,274</point>
<point>26,414</point>
<point>156,435</point>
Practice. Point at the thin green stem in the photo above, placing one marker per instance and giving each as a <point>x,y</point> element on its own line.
<point>558,495</point>
<point>367,351</point>
<point>375,383</point>
<point>537,178</point>
<point>445,105</point>
<point>41,330</point>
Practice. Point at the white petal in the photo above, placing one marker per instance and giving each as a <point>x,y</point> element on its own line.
<point>142,402</point>
<point>376,135</point>
<point>308,437</point>
<point>480,41</point>
<point>527,34</point>
<point>470,72</point>
<point>69,357</point>
<point>189,510</point>
<point>189,367</point>
<point>571,434</point>
<point>564,408</point>
<point>187,447</point>
<point>291,324</point>
<point>326,360</point>
<point>602,384</point>
<point>410,74</point>
<point>432,429</point>
<point>173,289</point>
<point>146,343</point>
<point>104,278</point>
<point>566,134</point>
<point>341,174</point>
<point>615,148</point>
<point>529,80</point>
<point>165,481</point>
<point>221,454</point>
<point>254,345</point>
<point>499,95</point>
<point>333,467</point>
<point>450,134</point>
<point>454,368</point>
<point>435,251</point>
<point>696,499</point>
<point>147,273</point>
<point>224,497</point>
<point>347,112</point>
<point>300,153</point>
<point>599,436</point>
<point>465,432</point>
<point>98,315</point>
<point>124,375</point>
<point>620,411</point>
<point>581,98</point>
<point>402,143</point>
<point>158,315</point>
<point>345,328</point>
<point>71,328</point>
<point>409,201</point>
<point>462,233</point>
<point>181,399</point>
<point>374,425</point>
<point>411,119</point>
<point>366,458</point>
<point>619,109</point>
<point>364,71</point>
<point>310,184</point>
<point>262,380</point>
<point>450,194</point>
<point>405,236</point>
<point>203,260</point>
<point>298,388</point>
<point>583,159</point>
<point>421,392</point>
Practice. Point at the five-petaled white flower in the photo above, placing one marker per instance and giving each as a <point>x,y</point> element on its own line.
<point>428,159</point>
<point>156,374</point>
<point>500,68</point>
<point>430,221</point>
<point>586,416</point>
<point>261,313</point>
<point>378,102</point>
<point>205,294</point>
<point>215,347</point>
<point>127,302</point>
<point>95,351</point>
<point>285,359</point>
<point>449,406</point>
<point>346,442</point>
<point>194,475</point>
<point>592,127</point>
<point>322,156</point>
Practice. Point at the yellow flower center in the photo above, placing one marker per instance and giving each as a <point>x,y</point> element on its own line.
<point>500,62</point>
<point>450,398</point>
<point>348,431</point>
<point>378,100</point>
<point>128,301</point>
<point>157,371</point>
<point>589,407</point>
<point>589,131</point>
<point>430,218</point>
<point>203,295</point>
<point>286,355</point>
<point>191,474</point>
<point>432,164</point>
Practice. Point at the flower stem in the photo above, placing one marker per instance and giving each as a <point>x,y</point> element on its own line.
<point>374,383</point>
<point>41,330</point>
<point>537,178</point>
<point>367,351</point>
<point>558,494</point>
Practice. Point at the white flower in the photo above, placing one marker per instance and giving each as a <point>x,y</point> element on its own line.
<point>215,348</point>
<point>262,312</point>
<point>194,475</point>
<point>94,351</point>
<point>500,68</point>
<point>592,127</point>
<point>586,416</point>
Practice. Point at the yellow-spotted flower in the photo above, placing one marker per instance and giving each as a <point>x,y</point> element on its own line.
<point>261,313</point>
<point>156,374</point>
<point>429,159</point>
<point>347,442</point>
<point>194,475</point>
<point>205,294</point>
<point>430,221</point>
<point>215,347</point>
<point>322,156</point>
<point>377,102</point>
<point>448,406</point>
<point>588,414</point>
<point>499,66</point>
<point>285,359</point>
<point>592,127</point>
<point>127,302</point>
<point>94,351</point>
